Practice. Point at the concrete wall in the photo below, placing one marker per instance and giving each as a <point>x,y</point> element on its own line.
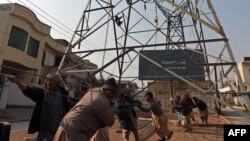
<point>20,21</point>
<point>244,69</point>
<point>246,73</point>
<point>162,91</point>
<point>25,19</point>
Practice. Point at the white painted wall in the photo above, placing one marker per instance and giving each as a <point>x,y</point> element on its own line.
<point>246,74</point>
<point>16,97</point>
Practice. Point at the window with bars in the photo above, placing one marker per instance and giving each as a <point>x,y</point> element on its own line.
<point>33,47</point>
<point>17,38</point>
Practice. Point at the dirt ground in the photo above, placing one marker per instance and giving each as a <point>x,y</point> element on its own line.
<point>213,131</point>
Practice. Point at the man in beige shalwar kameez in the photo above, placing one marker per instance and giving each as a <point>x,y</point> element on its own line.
<point>101,135</point>
<point>91,113</point>
<point>159,119</point>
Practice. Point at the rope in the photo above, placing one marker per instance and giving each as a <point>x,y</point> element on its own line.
<point>2,66</point>
<point>37,86</point>
<point>105,46</point>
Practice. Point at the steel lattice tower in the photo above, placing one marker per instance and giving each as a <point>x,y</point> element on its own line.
<point>113,31</point>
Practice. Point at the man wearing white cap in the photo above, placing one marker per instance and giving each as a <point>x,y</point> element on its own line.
<point>51,106</point>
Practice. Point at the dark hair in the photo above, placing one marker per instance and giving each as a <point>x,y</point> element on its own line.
<point>195,98</point>
<point>150,94</point>
<point>186,96</point>
<point>110,84</point>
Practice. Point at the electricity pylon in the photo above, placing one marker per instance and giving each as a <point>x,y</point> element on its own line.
<point>111,33</point>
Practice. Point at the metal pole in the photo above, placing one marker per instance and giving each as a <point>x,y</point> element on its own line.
<point>5,131</point>
<point>171,92</point>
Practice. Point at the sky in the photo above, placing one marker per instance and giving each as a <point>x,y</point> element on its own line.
<point>233,15</point>
<point>235,19</point>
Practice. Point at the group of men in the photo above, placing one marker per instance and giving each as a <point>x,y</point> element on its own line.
<point>128,119</point>
<point>183,108</point>
<point>88,119</point>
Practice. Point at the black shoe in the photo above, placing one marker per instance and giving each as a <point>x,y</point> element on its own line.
<point>170,135</point>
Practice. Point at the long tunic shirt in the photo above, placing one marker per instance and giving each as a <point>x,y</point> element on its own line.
<point>125,116</point>
<point>159,119</point>
<point>202,106</point>
<point>155,108</point>
<point>92,112</point>
<point>49,110</point>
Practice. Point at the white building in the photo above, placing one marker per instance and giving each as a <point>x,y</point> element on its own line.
<point>244,69</point>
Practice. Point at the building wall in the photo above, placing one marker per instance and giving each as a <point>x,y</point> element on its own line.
<point>246,73</point>
<point>13,15</point>
<point>35,29</point>
<point>241,70</point>
<point>25,19</point>
<point>16,97</point>
<point>29,69</point>
<point>244,69</point>
<point>50,56</point>
<point>161,89</point>
<point>21,17</point>
<point>4,14</point>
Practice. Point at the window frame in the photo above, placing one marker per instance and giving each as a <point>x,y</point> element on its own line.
<point>33,47</point>
<point>17,38</point>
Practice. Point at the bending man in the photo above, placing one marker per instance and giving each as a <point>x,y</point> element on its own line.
<point>159,119</point>
<point>91,113</point>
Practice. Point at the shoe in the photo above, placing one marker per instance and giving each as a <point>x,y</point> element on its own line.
<point>170,135</point>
